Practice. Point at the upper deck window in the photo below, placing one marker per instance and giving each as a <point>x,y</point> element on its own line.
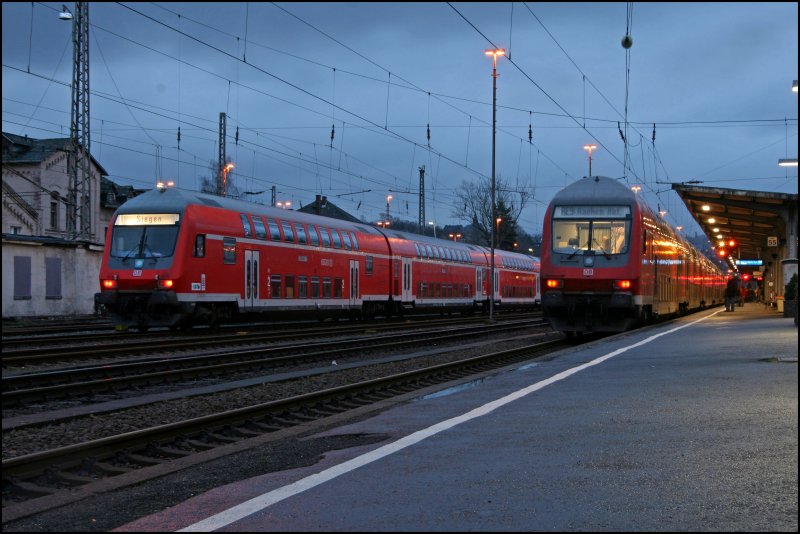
<point>602,229</point>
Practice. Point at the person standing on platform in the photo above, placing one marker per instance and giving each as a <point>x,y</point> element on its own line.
<point>731,294</point>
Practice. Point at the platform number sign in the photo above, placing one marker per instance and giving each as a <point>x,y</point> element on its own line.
<point>772,241</point>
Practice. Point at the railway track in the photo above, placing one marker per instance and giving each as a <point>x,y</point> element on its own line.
<point>42,480</point>
<point>40,387</point>
<point>23,351</point>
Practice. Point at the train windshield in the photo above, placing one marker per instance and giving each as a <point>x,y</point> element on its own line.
<point>148,242</point>
<point>604,230</point>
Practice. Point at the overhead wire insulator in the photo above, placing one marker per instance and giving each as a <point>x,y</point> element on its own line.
<point>237,135</point>
<point>622,135</point>
<point>179,137</point>
<point>333,133</point>
<point>429,134</point>
<point>654,132</point>
<point>530,129</point>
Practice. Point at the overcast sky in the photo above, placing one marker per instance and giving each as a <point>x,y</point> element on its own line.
<point>715,80</point>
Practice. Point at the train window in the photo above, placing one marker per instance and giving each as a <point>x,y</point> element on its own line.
<point>368,264</point>
<point>288,232</point>
<point>326,238</point>
<point>338,288</point>
<point>228,250</point>
<point>302,238</point>
<point>302,287</point>
<point>430,251</point>
<point>147,241</point>
<point>289,286</point>
<point>346,241</point>
<point>200,246</point>
<point>609,237</point>
<point>326,287</point>
<point>337,240</point>
<point>246,225</point>
<point>275,286</point>
<point>261,230</point>
<point>274,230</point>
<point>355,241</point>
<point>416,246</point>
<point>313,235</point>
<point>315,287</point>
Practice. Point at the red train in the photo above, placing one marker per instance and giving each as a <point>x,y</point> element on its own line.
<point>178,258</point>
<point>610,263</point>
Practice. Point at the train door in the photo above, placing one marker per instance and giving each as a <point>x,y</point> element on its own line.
<point>496,286</point>
<point>250,279</point>
<point>406,282</point>
<point>354,283</point>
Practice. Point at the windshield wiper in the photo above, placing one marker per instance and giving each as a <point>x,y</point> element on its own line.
<point>605,253</point>
<point>579,249</point>
<point>128,255</point>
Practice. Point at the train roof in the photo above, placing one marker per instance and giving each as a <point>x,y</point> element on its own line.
<point>171,200</point>
<point>598,189</point>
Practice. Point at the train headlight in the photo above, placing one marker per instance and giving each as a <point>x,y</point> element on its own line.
<point>554,284</point>
<point>622,284</point>
<point>109,284</point>
<point>165,284</point>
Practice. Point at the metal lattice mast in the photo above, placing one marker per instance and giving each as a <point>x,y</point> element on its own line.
<point>221,174</point>
<point>422,200</point>
<point>79,212</point>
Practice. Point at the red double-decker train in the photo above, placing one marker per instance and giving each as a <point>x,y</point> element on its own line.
<point>177,258</point>
<point>609,262</point>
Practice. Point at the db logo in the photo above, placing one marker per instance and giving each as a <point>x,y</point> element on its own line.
<point>588,272</point>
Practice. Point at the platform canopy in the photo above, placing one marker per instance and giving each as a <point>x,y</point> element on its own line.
<point>757,221</point>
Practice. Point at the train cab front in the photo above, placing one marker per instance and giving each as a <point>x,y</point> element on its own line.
<point>588,281</point>
<point>138,278</point>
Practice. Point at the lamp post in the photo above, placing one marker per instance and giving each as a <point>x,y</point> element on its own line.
<point>225,170</point>
<point>388,199</point>
<point>494,53</point>
<point>590,148</point>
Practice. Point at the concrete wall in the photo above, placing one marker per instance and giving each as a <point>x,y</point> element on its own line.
<point>80,268</point>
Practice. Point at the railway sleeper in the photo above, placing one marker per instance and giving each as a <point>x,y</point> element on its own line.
<point>262,428</point>
<point>141,460</point>
<point>104,468</point>
<point>73,479</point>
<point>165,451</point>
<point>22,488</point>
<point>222,438</point>
<point>199,445</point>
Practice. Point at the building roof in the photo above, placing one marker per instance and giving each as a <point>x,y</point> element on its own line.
<point>26,150</point>
<point>322,206</point>
<point>750,218</point>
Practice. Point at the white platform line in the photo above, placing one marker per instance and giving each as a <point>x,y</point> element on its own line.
<point>265,500</point>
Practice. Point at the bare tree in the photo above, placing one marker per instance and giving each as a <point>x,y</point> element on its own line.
<point>209,184</point>
<point>473,206</point>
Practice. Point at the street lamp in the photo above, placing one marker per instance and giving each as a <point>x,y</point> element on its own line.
<point>494,53</point>
<point>388,199</point>
<point>225,170</point>
<point>433,223</point>
<point>590,148</point>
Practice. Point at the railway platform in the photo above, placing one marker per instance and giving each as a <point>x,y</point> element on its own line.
<point>685,425</point>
